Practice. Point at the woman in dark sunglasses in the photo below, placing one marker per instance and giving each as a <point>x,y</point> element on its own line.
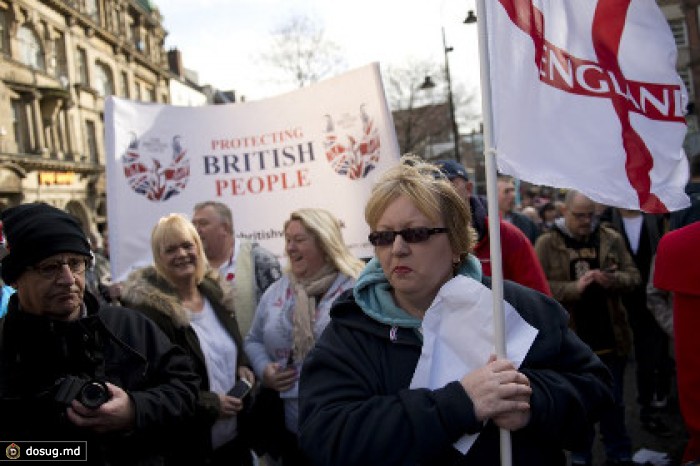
<point>358,402</point>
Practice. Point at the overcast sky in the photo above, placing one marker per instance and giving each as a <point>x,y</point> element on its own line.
<point>222,39</point>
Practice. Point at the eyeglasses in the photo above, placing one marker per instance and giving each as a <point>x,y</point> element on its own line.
<point>53,269</point>
<point>410,235</point>
<point>583,215</point>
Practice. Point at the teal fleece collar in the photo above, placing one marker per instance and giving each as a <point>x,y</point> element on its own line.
<point>372,293</point>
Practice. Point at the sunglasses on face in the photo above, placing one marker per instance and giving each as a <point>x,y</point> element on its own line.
<point>410,235</point>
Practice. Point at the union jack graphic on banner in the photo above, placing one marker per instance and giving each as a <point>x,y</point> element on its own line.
<point>353,157</point>
<point>155,182</point>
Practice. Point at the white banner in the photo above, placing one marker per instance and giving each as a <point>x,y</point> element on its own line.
<point>585,95</point>
<point>321,146</point>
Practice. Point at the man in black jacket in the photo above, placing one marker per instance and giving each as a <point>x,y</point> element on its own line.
<point>70,370</point>
<point>641,233</point>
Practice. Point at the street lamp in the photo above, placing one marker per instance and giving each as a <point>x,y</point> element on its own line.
<point>471,17</point>
<point>429,84</point>
<point>455,129</point>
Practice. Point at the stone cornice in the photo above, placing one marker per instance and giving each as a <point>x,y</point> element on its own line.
<point>30,163</point>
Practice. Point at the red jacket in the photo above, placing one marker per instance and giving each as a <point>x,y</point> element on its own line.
<point>677,269</point>
<point>520,262</point>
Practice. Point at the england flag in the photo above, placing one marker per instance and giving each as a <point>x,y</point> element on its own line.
<point>585,95</point>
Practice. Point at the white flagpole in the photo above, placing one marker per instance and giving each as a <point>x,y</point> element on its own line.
<point>492,198</point>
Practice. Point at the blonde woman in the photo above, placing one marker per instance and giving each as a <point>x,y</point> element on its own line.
<point>357,406</point>
<point>181,294</point>
<point>294,311</point>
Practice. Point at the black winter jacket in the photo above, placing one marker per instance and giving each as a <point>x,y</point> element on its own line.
<point>356,407</point>
<point>114,344</point>
<point>148,292</point>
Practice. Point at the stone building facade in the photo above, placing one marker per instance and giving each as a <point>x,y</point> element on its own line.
<point>58,62</point>
<point>684,19</point>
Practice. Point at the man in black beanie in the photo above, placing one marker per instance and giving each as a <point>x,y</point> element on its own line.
<point>70,370</point>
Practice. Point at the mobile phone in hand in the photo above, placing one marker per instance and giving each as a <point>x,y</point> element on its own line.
<point>284,363</point>
<point>241,389</point>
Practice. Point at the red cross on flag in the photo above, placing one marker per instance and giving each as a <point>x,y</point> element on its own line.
<point>585,95</point>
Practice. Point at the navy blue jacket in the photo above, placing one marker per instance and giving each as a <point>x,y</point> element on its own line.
<point>356,407</point>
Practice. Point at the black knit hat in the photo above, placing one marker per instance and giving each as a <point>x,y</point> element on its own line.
<point>36,231</point>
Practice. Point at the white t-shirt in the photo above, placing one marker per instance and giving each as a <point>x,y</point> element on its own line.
<point>220,356</point>
<point>228,268</point>
<point>633,230</point>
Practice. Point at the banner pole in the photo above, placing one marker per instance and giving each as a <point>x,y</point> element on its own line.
<point>492,198</point>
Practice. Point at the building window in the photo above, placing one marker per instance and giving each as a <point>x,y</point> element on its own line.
<point>147,43</point>
<point>4,42</point>
<point>680,31</point>
<point>62,131</point>
<point>103,79</point>
<point>91,134</point>
<point>151,94</point>
<point>116,24</point>
<point>136,34</point>
<point>92,9</point>
<point>687,78</point>
<point>61,65</point>
<point>20,125</point>
<point>81,70</point>
<point>30,50</point>
<point>129,28</point>
<point>124,85</point>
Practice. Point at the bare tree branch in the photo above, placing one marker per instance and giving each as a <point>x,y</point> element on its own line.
<point>422,116</point>
<point>302,53</point>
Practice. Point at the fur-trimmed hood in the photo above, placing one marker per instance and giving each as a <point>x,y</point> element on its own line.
<point>146,288</point>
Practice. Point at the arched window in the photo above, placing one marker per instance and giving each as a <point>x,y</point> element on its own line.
<point>30,51</point>
<point>105,81</point>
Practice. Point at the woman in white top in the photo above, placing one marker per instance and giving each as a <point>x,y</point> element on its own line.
<point>183,296</point>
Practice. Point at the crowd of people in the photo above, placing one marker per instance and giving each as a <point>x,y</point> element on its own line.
<point>216,354</point>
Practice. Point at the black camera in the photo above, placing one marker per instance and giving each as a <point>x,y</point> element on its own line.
<point>90,392</point>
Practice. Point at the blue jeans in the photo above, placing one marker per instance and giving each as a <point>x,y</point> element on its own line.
<point>613,432</point>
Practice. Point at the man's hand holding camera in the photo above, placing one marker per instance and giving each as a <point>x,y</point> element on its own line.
<point>116,414</point>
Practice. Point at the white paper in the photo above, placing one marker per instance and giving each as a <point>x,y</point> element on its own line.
<point>458,337</point>
<point>656,458</point>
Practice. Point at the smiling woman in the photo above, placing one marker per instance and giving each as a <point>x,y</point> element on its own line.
<point>294,311</point>
<point>185,298</point>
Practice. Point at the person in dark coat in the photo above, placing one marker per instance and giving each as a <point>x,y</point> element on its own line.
<point>641,233</point>
<point>519,260</point>
<point>506,208</point>
<point>358,404</point>
<point>70,370</point>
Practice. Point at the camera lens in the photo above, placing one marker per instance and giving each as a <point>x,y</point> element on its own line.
<point>93,394</point>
